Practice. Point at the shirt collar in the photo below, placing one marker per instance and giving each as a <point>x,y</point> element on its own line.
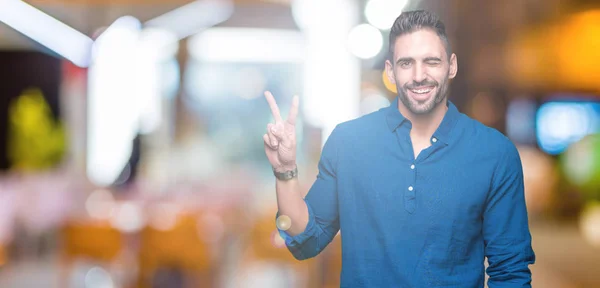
<point>393,116</point>
<point>395,119</point>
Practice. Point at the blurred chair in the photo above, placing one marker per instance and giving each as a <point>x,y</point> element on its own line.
<point>3,256</point>
<point>179,250</point>
<point>265,247</point>
<point>95,241</point>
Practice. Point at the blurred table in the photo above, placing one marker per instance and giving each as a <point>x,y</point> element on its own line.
<point>564,259</point>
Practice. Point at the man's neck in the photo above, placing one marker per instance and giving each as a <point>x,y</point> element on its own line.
<point>424,125</point>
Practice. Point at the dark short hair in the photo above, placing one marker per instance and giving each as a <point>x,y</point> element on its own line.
<point>411,21</point>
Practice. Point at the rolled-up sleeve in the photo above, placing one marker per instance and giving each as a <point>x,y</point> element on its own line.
<point>322,202</point>
<point>505,225</point>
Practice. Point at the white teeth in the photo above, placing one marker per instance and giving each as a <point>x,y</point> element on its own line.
<point>421,91</point>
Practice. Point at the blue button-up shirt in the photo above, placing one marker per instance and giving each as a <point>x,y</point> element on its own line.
<point>424,222</point>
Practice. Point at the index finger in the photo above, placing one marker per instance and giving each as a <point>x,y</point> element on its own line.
<point>273,105</point>
<point>293,111</point>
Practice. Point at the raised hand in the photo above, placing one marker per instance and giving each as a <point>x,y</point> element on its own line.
<point>280,140</point>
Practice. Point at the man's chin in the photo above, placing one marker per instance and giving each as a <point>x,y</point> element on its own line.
<point>420,111</point>
<point>421,108</point>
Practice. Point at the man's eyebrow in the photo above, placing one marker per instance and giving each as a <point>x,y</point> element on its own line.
<point>404,59</point>
<point>432,59</point>
<point>427,59</point>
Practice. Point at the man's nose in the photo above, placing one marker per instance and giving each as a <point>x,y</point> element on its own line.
<point>419,73</point>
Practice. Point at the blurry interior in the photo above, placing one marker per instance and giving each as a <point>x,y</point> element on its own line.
<point>130,131</point>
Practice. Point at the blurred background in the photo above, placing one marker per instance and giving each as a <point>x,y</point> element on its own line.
<point>131,151</point>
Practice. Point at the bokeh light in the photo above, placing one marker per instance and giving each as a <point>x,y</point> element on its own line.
<point>589,224</point>
<point>128,217</point>
<point>98,278</point>
<point>277,240</point>
<point>365,41</point>
<point>581,164</point>
<point>284,222</point>
<point>163,216</point>
<point>100,204</point>
<point>560,124</point>
<point>373,100</point>
<point>383,13</point>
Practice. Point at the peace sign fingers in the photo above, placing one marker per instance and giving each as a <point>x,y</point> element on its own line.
<point>293,111</point>
<point>274,108</point>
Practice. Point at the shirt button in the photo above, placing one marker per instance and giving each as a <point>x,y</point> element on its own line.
<point>410,188</point>
<point>434,139</point>
<point>412,167</point>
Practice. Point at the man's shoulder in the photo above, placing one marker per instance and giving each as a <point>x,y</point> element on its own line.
<point>491,137</point>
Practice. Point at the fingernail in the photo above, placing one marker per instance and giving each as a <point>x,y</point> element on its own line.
<point>274,143</point>
<point>273,130</point>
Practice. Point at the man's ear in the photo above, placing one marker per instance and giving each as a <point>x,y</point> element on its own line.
<point>389,71</point>
<point>453,66</point>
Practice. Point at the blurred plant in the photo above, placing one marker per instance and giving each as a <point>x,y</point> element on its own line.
<point>581,166</point>
<point>35,140</point>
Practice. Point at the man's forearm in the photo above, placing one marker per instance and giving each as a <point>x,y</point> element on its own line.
<point>291,204</point>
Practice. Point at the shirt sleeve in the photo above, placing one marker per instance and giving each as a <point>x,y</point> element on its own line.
<point>505,226</point>
<point>322,202</point>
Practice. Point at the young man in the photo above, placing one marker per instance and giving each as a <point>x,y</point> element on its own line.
<point>421,192</point>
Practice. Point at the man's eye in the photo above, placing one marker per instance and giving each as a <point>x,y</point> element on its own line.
<point>404,64</point>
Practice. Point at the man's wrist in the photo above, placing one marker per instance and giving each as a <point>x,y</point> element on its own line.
<point>286,173</point>
<point>285,168</point>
